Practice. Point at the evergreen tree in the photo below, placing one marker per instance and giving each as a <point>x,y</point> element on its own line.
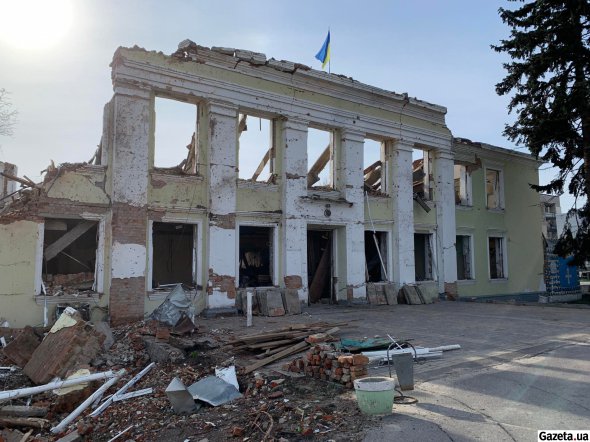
<point>549,82</point>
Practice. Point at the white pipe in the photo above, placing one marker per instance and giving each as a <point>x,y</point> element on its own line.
<point>446,347</point>
<point>123,389</point>
<point>248,308</point>
<point>121,433</point>
<point>23,392</point>
<point>84,405</point>
<point>133,394</point>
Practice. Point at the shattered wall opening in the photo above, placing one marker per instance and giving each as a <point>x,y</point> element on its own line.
<point>464,257</point>
<point>423,256</point>
<point>375,167</point>
<point>173,255</point>
<point>494,189</point>
<point>462,179</point>
<point>256,256</point>
<point>319,265</point>
<point>422,177</point>
<point>320,159</point>
<point>496,250</point>
<point>175,138</point>
<point>257,140</point>
<point>375,259</point>
<point>69,255</point>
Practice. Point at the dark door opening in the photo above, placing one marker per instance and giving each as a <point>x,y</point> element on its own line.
<point>319,265</point>
<point>256,245</point>
<point>374,267</point>
<point>423,258</point>
<point>173,254</point>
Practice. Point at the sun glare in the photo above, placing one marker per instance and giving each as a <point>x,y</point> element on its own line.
<point>34,24</point>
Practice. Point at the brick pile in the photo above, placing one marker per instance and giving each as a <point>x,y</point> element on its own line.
<point>323,362</point>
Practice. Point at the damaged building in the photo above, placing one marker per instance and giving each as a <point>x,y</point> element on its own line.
<point>389,197</point>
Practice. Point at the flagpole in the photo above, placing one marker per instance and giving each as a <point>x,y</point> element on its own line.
<point>330,60</point>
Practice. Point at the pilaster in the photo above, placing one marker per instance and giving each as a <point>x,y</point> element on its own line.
<point>403,213</point>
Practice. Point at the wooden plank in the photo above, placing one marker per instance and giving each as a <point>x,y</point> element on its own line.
<point>23,411</point>
<point>66,239</point>
<point>27,183</point>
<point>31,422</point>
<point>263,162</point>
<point>273,344</point>
<point>288,351</point>
<point>242,124</point>
<point>313,176</point>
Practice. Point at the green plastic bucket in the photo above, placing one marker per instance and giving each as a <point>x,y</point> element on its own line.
<point>375,395</point>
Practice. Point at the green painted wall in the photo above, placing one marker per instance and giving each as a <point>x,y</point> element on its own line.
<point>521,223</point>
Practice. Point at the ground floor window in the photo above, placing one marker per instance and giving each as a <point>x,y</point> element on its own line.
<point>496,250</point>
<point>423,256</point>
<point>375,256</point>
<point>69,255</point>
<point>256,256</point>
<point>173,254</point>
<point>464,256</point>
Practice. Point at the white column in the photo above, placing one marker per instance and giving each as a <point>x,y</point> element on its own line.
<point>444,199</point>
<point>351,181</point>
<point>403,213</point>
<point>294,186</point>
<point>222,178</point>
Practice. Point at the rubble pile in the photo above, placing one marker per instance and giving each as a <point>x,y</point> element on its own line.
<point>118,385</point>
<point>323,362</point>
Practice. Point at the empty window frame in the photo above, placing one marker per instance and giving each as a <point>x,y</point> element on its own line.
<point>173,255</point>
<point>497,257</point>
<point>257,140</point>
<point>462,185</point>
<point>494,189</point>
<point>69,255</point>
<point>422,161</point>
<point>175,138</point>
<point>464,250</point>
<point>256,256</point>
<point>375,256</point>
<point>424,256</point>
<point>375,167</point>
<point>320,159</point>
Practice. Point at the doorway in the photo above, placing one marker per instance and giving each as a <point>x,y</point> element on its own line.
<point>320,265</point>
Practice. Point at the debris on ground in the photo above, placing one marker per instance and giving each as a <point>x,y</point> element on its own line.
<point>123,398</point>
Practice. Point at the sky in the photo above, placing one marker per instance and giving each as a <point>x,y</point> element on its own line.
<point>55,56</point>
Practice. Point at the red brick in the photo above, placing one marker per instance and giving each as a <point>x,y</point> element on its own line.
<point>22,348</point>
<point>360,360</point>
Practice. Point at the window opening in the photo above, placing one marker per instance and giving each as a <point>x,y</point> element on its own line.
<point>423,258</point>
<point>256,149</point>
<point>319,265</point>
<point>462,185</point>
<point>256,256</point>
<point>374,271</point>
<point>320,159</point>
<point>496,251</point>
<point>173,254</point>
<point>374,167</point>
<point>463,248</point>
<point>493,189</point>
<point>69,255</point>
<point>422,173</point>
<point>176,143</point>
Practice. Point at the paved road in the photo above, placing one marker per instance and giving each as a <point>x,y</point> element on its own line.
<point>520,369</point>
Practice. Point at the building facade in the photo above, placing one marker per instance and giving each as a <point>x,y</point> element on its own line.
<point>118,231</point>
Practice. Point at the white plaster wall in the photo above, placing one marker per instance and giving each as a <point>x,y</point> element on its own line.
<point>131,147</point>
<point>445,218</point>
<point>403,214</point>
<point>128,260</point>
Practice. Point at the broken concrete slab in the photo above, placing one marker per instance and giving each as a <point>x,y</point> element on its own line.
<point>22,347</point>
<point>103,328</point>
<point>270,302</point>
<point>161,351</point>
<point>376,294</point>
<point>214,391</point>
<point>66,349</point>
<point>391,291</point>
<point>411,295</point>
<point>429,292</point>
<point>291,301</point>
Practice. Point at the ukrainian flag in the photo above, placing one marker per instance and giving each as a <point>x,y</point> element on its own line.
<point>324,53</point>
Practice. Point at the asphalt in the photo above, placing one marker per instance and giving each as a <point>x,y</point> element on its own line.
<point>520,369</point>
